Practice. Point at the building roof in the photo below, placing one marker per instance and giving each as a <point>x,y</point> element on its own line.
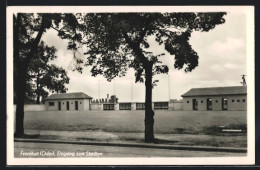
<point>214,91</point>
<point>78,95</point>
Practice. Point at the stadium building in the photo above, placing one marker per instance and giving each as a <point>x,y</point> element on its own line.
<point>68,101</point>
<point>216,98</point>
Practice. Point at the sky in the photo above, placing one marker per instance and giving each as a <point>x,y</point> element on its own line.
<point>222,61</point>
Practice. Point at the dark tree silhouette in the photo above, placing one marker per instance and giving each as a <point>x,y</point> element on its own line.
<point>118,41</point>
<point>43,77</point>
<point>115,42</point>
<point>28,29</point>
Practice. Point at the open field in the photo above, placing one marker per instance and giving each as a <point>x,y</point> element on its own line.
<point>195,128</point>
<point>191,122</point>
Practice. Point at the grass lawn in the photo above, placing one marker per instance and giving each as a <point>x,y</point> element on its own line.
<point>191,122</point>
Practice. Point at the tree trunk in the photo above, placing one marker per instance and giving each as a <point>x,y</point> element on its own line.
<point>22,66</point>
<point>149,113</point>
<point>148,66</point>
<point>38,89</point>
<point>20,81</point>
<point>19,128</point>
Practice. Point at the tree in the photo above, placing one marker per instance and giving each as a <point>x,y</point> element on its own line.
<point>118,41</point>
<point>44,76</point>
<point>28,29</point>
<point>113,99</point>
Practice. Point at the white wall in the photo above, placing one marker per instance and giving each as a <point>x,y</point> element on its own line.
<point>86,104</point>
<point>33,107</point>
<point>96,106</point>
<point>176,105</point>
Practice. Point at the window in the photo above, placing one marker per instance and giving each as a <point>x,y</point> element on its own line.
<point>201,101</point>
<point>161,105</point>
<point>63,102</point>
<point>244,100</point>
<point>233,100</point>
<point>140,106</point>
<point>216,101</point>
<point>108,107</point>
<point>125,106</point>
<point>188,101</point>
<point>238,100</point>
<point>51,103</point>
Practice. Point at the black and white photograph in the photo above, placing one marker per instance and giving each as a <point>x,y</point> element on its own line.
<point>130,85</point>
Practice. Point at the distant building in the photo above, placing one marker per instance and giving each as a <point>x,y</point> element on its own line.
<point>216,98</point>
<point>104,104</point>
<point>68,101</point>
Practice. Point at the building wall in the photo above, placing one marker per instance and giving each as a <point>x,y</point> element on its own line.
<point>241,105</point>
<point>217,102</point>
<point>116,106</point>
<point>83,104</point>
<point>187,103</point>
<point>176,105</point>
<point>51,108</point>
<point>96,106</point>
<point>86,104</point>
<point>133,106</point>
<point>33,107</point>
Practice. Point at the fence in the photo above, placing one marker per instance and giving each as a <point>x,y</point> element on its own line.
<point>33,107</point>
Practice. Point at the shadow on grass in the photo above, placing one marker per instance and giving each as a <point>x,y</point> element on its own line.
<point>141,140</point>
<point>92,139</point>
<point>164,141</point>
<point>29,136</point>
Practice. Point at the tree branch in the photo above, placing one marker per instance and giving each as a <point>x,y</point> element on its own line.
<point>146,27</point>
<point>135,47</point>
<point>82,41</point>
<point>36,42</point>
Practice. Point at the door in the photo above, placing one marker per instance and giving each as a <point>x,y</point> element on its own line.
<point>195,104</point>
<point>68,105</point>
<point>224,104</point>
<point>209,104</point>
<point>76,105</point>
<point>59,105</point>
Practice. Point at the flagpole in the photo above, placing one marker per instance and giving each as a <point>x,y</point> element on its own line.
<point>169,86</point>
<point>131,89</point>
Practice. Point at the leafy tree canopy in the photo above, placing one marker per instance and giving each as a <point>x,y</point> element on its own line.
<point>118,41</point>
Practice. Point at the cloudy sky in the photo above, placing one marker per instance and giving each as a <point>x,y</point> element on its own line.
<point>222,61</point>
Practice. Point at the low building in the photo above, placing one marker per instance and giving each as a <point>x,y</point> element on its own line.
<point>68,101</point>
<point>216,98</point>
